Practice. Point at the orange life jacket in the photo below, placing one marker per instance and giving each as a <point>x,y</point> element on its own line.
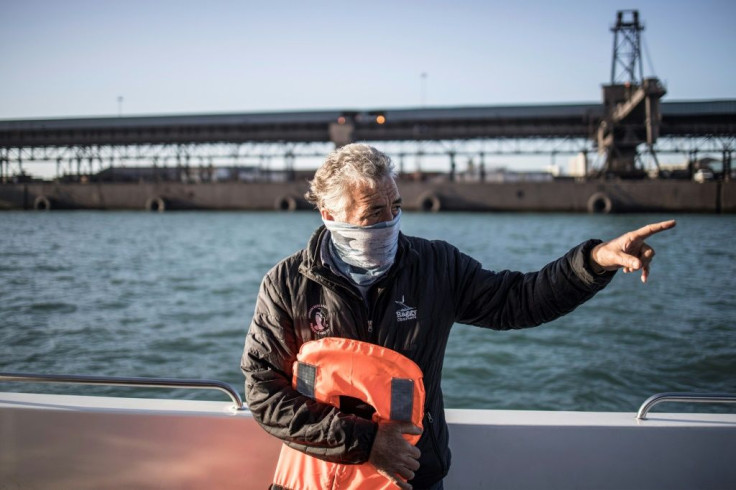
<point>331,367</point>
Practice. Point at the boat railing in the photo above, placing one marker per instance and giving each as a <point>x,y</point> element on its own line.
<point>209,384</point>
<point>196,384</point>
<point>653,400</point>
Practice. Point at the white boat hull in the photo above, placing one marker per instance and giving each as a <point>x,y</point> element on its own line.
<point>78,442</point>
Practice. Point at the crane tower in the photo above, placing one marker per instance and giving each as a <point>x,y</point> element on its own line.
<point>631,102</point>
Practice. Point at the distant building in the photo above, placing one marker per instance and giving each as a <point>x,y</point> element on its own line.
<point>578,165</point>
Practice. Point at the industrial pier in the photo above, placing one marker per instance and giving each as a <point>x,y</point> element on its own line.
<point>604,196</point>
<point>161,163</point>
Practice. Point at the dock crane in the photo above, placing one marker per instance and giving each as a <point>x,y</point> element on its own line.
<point>631,103</point>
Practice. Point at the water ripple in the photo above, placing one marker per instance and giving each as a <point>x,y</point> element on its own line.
<point>137,294</point>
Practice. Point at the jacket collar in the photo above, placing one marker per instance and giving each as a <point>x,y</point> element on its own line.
<point>313,267</point>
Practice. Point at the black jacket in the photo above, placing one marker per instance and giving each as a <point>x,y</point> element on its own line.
<point>430,287</point>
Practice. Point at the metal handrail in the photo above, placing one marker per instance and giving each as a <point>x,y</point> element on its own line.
<point>683,398</point>
<point>197,384</point>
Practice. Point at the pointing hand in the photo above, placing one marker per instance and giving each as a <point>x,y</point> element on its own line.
<point>629,251</point>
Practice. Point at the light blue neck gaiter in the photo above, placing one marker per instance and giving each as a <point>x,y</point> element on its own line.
<point>363,253</point>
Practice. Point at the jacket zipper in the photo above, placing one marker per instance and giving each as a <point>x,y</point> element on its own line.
<point>370,307</point>
<point>368,312</point>
<point>433,440</point>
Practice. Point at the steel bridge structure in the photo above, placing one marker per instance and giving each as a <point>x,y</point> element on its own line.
<point>83,146</point>
<point>631,122</point>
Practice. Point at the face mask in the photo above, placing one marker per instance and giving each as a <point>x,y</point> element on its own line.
<point>368,250</point>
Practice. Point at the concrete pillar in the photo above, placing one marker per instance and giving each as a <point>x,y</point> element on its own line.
<point>726,165</point>
<point>482,167</point>
<point>289,161</point>
<point>452,166</point>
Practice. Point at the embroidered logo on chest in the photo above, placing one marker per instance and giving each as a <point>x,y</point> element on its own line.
<point>405,313</point>
<point>318,319</point>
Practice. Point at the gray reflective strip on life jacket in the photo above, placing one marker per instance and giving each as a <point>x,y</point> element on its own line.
<point>402,391</point>
<point>306,373</point>
<point>402,399</point>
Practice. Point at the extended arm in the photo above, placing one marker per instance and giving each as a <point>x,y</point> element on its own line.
<point>508,300</point>
<point>515,300</point>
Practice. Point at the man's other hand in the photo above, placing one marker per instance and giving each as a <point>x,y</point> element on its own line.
<point>629,251</point>
<point>392,455</point>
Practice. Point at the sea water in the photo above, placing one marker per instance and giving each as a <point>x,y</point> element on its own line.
<point>172,294</point>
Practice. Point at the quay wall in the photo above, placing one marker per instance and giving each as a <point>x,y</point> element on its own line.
<point>594,196</point>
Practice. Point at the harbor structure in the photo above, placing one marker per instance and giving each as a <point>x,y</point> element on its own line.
<point>250,160</point>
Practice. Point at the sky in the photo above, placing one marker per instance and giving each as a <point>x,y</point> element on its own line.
<point>97,58</point>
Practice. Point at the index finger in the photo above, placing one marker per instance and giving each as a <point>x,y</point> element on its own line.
<point>651,229</point>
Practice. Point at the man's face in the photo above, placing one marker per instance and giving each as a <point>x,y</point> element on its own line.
<point>368,206</point>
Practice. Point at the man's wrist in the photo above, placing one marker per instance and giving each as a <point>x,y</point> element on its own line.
<point>593,265</point>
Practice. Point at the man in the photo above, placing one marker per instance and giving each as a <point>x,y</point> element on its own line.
<point>359,278</point>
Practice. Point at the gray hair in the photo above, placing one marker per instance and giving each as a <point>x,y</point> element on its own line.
<point>354,165</point>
